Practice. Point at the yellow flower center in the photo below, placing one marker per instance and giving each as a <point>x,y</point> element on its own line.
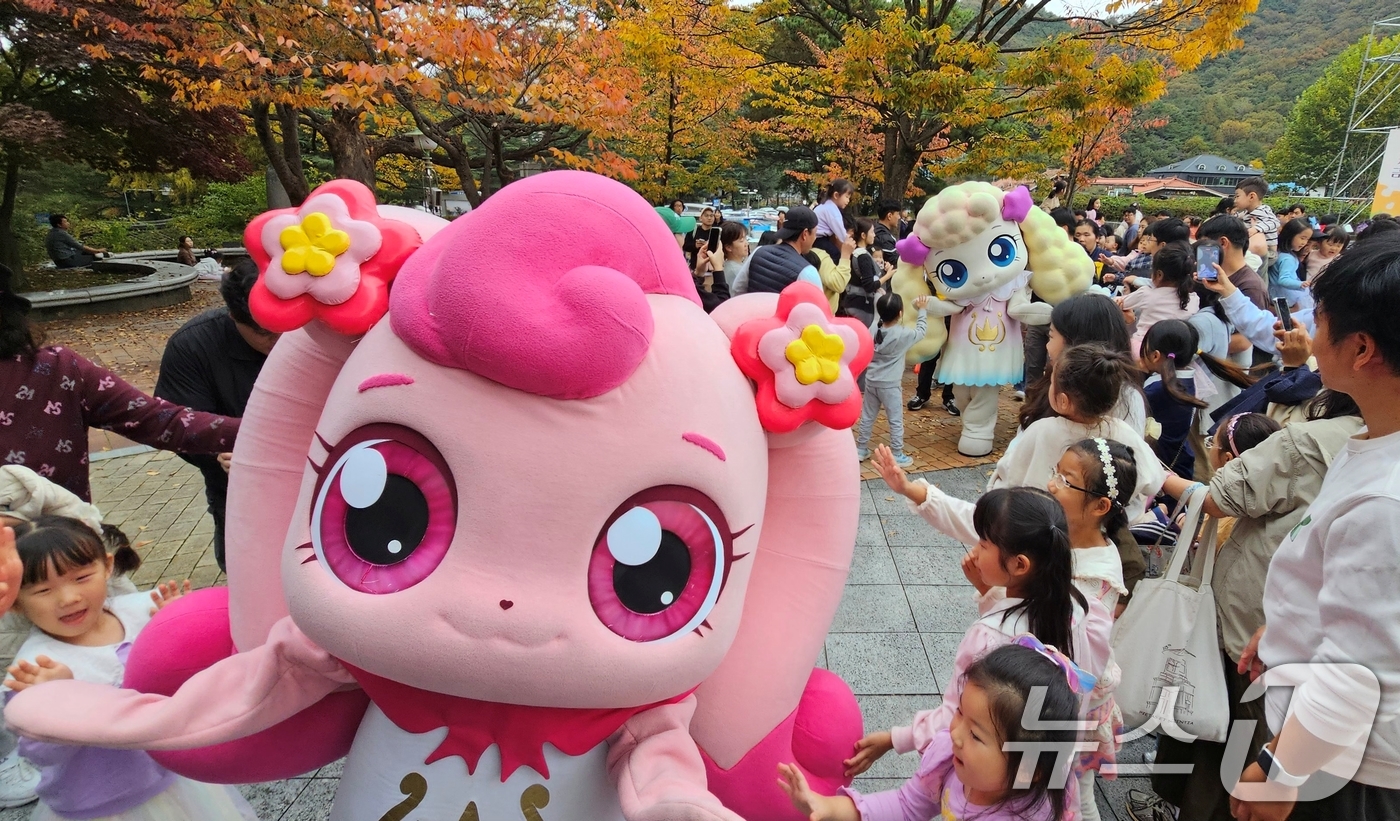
<point>816,355</point>
<point>312,246</point>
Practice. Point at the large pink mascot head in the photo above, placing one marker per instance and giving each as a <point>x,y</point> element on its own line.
<point>523,510</point>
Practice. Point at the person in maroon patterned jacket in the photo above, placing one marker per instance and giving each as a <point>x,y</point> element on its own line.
<point>50,396</point>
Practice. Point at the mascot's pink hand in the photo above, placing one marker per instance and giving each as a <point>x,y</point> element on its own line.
<point>658,770</point>
<point>192,635</point>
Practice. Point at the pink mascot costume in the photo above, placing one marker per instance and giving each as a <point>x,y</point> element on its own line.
<point>552,541</point>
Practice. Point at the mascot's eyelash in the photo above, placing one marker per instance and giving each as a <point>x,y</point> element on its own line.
<point>325,446</point>
<point>734,537</point>
<point>307,546</point>
<point>728,565</point>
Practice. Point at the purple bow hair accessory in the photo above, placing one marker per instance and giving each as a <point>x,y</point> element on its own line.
<point>912,250</point>
<point>1080,682</point>
<point>1016,204</point>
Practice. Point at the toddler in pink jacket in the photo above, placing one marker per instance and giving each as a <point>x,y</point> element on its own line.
<point>966,771</point>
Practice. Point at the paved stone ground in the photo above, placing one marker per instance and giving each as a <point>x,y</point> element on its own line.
<point>905,607</point>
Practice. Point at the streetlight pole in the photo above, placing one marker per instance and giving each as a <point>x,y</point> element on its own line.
<point>426,145</point>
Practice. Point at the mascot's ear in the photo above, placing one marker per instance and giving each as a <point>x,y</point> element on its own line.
<point>331,258</point>
<point>803,361</point>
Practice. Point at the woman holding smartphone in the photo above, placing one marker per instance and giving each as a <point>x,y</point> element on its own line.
<point>705,235</point>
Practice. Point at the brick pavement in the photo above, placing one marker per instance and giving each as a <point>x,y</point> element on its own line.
<point>157,499</point>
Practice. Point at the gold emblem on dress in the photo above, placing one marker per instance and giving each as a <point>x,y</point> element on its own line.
<point>988,333</point>
<point>415,788</point>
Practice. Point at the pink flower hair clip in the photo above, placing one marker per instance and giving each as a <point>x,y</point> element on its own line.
<point>804,362</point>
<point>331,258</point>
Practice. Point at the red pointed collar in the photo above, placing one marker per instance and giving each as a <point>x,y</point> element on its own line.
<point>472,726</point>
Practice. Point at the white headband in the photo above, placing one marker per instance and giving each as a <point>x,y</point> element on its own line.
<point>1110,476</point>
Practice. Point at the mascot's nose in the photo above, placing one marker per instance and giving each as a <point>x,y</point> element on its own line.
<point>507,604</point>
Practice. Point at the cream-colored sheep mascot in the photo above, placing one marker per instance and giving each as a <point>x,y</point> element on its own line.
<point>983,253</point>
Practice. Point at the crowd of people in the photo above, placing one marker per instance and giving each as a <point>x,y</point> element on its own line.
<point>1252,359</point>
<point>1244,357</point>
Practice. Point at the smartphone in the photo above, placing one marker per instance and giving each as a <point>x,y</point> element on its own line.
<point>1207,260</point>
<point>1283,313</point>
<point>714,239</point>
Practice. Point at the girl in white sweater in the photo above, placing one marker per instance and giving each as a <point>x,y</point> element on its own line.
<point>1086,383</point>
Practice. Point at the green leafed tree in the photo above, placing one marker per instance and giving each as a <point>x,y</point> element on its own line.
<point>1308,149</point>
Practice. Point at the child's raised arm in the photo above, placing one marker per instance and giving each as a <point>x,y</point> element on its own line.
<point>896,478</point>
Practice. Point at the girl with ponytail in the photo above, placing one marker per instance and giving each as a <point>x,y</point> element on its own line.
<point>1167,351</point>
<point>1081,319</point>
<point>1093,483</point>
<point>79,630</point>
<point>1021,565</point>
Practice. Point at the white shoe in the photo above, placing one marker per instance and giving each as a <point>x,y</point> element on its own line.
<point>18,781</point>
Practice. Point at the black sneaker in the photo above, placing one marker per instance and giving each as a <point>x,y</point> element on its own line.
<point>917,403</point>
<point>952,408</point>
<point>1147,806</point>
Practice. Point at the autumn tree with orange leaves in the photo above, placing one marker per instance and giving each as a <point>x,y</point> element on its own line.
<point>494,84</point>
<point>971,87</point>
<point>515,81</point>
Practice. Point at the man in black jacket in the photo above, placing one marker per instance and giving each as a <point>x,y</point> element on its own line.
<point>886,227</point>
<point>210,364</point>
<point>774,267</point>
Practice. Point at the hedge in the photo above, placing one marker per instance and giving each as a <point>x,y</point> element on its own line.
<point>1203,207</point>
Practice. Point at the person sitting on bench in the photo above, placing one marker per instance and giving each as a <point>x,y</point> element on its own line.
<point>64,249</point>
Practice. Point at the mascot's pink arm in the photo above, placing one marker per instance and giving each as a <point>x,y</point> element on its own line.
<point>659,773</point>
<point>269,462</point>
<point>237,697</point>
<point>800,568</point>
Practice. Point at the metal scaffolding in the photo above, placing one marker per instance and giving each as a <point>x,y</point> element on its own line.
<point>1363,144</point>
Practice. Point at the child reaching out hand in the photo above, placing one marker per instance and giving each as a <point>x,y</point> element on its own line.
<point>81,633</point>
<point>965,771</point>
<point>1093,482</point>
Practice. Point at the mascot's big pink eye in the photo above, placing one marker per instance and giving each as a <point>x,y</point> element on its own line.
<point>659,565</point>
<point>385,510</point>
